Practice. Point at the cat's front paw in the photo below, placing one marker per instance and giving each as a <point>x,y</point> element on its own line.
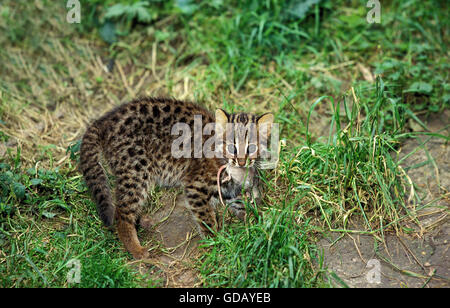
<point>140,253</point>
<point>238,209</point>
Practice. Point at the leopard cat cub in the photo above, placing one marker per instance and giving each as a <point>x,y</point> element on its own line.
<point>135,140</point>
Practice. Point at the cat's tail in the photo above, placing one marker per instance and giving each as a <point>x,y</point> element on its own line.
<point>94,174</point>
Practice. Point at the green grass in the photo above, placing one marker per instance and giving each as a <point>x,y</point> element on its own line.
<point>357,171</point>
<point>299,61</point>
<point>46,221</point>
<point>273,250</point>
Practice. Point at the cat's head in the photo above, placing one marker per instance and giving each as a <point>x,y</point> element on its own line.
<point>244,137</point>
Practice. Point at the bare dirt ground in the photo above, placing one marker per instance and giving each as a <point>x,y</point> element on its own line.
<point>171,232</point>
<point>402,261</point>
<point>416,260</point>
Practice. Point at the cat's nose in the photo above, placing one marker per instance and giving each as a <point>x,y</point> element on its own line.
<point>241,162</point>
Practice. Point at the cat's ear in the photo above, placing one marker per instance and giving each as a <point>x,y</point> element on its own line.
<point>266,118</point>
<point>221,117</point>
<point>221,123</point>
<point>264,123</point>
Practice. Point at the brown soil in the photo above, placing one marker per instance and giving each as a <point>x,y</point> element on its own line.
<point>170,232</point>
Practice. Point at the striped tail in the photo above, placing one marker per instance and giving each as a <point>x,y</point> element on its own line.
<point>95,176</point>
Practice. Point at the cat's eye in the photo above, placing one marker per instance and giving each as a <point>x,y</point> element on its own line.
<point>252,148</point>
<point>231,149</point>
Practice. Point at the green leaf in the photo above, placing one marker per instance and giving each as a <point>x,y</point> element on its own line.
<point>36,181</point>
<point>4,166</point>
<point>74,148</point>
<point>19,190</point>
<point>48,214</point>
<point>420,87</point>
<point>108,32</point>
<point>301,8</point>
<point>143,15</point>
<point>446,98</point>
<point>186,6</point>
<point>116,11</point>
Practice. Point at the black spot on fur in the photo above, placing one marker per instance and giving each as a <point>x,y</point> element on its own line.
<point>166,108</point>
<point>137,167</point>
<point>156,111</point>
<point>166,121</point>
<point>144,109</point>
<point>128,121</point>
<point>122,130</point>
<point>198,204</point>
<point>203,190</point>
<point>89,178</point>
<point>131,152</point>
<point>193,196</point>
